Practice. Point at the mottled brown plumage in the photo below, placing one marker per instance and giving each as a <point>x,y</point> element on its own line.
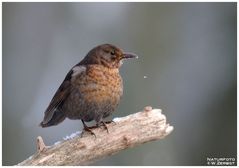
<point>91,90</point>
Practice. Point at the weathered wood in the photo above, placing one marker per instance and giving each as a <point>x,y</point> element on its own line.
<point>125,132</point>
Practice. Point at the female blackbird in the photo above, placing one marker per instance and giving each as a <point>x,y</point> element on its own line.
<point>91,90</point>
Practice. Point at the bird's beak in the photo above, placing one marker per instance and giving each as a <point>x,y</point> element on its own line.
<point>128,55</point>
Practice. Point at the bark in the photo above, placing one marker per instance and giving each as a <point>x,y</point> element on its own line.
<point>83,149</point>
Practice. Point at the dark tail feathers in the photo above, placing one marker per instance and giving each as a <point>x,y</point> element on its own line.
<point>57,118</point>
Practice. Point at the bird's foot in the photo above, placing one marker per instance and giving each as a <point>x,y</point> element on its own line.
<point>104,125</point>
<point>88,129</point>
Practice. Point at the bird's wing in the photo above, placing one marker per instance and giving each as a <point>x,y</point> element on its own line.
<point>62,93</point>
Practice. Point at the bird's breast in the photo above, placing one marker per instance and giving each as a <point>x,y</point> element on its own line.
<point>100,84</point>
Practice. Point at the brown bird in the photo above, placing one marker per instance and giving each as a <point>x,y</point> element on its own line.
<point>91,90</point>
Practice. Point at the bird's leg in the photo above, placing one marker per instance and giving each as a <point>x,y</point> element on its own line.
<point>86,128</point>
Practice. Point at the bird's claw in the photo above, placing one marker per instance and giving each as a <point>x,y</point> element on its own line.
<point>103,124</point>
<point>88,129</point>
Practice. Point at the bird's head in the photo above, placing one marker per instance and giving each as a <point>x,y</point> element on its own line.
<point>107,55</point>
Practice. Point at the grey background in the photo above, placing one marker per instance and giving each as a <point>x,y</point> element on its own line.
<point>187,51</point>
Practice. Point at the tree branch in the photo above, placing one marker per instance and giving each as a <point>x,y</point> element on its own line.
<point>125,132</point>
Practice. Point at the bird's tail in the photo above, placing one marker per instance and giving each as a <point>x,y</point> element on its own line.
<point>57,118</point>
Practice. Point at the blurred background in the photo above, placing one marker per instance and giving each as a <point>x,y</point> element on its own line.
<point>187,52</point>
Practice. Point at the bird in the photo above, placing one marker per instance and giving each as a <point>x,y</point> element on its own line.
<point>91,90</point>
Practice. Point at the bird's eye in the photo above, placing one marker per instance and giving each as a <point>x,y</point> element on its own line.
<point>112,52</point>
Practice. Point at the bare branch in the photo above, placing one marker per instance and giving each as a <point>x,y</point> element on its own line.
<point>125,132</point>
